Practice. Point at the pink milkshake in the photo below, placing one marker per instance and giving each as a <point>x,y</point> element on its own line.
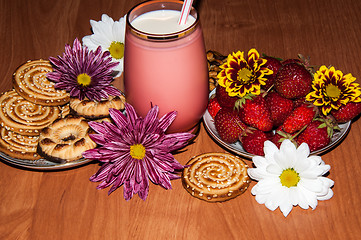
<point>165,63</point>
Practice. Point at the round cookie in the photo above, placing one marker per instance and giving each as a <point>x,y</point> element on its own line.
<point>65,139</point>
<point>21,116</point>
<point>94,109</point>
<point>215,177</point>
<point>30,81</point>
<point>18,146</point>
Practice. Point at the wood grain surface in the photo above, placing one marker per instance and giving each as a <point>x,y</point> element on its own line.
<point>66,205</point>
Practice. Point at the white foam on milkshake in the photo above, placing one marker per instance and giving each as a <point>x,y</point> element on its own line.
<point>161,22</point>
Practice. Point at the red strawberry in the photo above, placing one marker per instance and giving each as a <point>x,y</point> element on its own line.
<point>254,112</point>
<point>224,99</point>
<point>274,64</point>
<point>253,141</point>
<point>293,80</point>
<point>300,60</point>
<point>315,135</point>
<point>347,112</point>
<point>291,60</point>
<point>299,118</point>
<point>213,107</point>
<point>298,101</point>
<point>281,135</point>
<point>279,107</point>
<point>228,125</point>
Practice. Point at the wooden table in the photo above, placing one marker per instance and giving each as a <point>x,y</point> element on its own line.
<point>66,205</point>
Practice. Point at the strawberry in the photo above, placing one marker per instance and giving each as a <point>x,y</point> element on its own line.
<point>315,135</point>
<point>291,60</point>
<point>224,99</point>
<point>279,107</point>
<point>228,125</point>
<point>347,112</point>
<point>254,112</point>
<point>281,135</point>
<point>213,107</point>
<point>253,141</point>
<point>293,80</point>
<point>299,118</point>
<point>273,64</point>
<point>299,101</point>
<point>300,60</point>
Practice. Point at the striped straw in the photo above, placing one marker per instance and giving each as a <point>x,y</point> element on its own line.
<point>186,8</point>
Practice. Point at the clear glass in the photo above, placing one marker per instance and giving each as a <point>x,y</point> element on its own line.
<point>168,70</point>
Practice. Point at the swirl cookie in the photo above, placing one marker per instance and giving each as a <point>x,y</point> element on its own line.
<point>65,139</point>
<point>30,81</point>
<point>21,116</point>
<point>18,146</point>
<point>94,109</point>
<point>215,177</point>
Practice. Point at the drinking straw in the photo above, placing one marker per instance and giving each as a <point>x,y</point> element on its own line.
<point>186,8</point>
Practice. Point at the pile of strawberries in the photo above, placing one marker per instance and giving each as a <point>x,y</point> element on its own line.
<point>279,112</point>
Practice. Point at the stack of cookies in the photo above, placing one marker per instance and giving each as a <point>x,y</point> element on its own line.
<point>35,121</point>
<point>67,138</point>
<point>26,109</point>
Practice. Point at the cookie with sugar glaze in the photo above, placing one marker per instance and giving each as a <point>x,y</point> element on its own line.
<point>215,177</point>
<point>30,81</point>
<point>24,117</point>
<point>18,146</point>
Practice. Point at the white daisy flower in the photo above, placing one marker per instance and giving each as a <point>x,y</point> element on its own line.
<point>108,34</point>
<point>289,177</point>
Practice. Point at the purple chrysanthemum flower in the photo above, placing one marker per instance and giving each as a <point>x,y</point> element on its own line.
<point>135,149</point>
<point>84,73</point>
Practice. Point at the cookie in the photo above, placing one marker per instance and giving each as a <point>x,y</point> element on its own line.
<point>21,116</point>
<point>64,110</point>
<point>95,109</point>
<point>30,81</point>
<point>18,146</point>
<point>215,177</point>
<point>65,139</point>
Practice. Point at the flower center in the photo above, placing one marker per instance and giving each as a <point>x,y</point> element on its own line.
<point>289,178</point>
<point>83,79</point>
<point>333,91</point>
<point>244,75</point>
<point>116,50</point>
<point>137,151</point>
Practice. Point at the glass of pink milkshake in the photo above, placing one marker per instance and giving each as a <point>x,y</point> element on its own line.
<point>165,63</point>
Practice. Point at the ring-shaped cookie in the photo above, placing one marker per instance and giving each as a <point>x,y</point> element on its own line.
<point>65,139</point>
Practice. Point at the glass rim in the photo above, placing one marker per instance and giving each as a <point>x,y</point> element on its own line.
<point>162,36</point>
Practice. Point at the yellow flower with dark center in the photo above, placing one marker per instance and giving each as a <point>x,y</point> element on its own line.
<point>331,89</point>
<point>240,75</point>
